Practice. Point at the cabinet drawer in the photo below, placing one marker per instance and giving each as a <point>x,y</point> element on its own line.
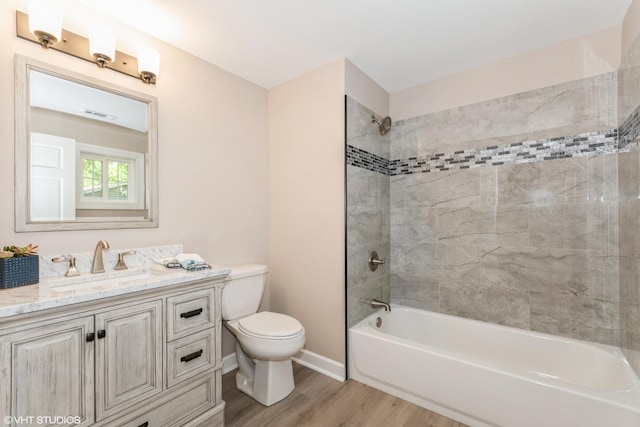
<point>189,356</point>
<point>190,312</point>
<point>191,400</point>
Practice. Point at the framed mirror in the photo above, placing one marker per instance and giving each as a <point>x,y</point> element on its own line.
<point>86,152</point>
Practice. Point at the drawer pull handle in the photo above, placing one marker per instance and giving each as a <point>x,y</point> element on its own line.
<point>144,424</point>
<point>191,313</point>
<point>190,357</point>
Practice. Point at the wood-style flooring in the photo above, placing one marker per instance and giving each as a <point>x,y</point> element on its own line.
<point>324,402</point>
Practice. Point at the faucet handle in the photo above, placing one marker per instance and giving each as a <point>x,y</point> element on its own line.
<point>375,261</point>
<point>72,271</point>
<point>121,264</point>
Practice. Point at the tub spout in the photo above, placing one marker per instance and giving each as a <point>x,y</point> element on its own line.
<point>377,303</point>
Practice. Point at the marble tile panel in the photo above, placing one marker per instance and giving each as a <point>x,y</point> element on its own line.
<point>412,227</point>
<point>484,225</point>
<point>397,185</point>
<point>413,291</point>
<point>488,303</point>
<point>603,276</point>
<point>356,267</point>
<point>403,139</point>
<point>552,271</point>
<point>602,179</point>
<point>365,226</point>
<point>629,224</point>
<point>629,280</point>
<point>574,107</point>
<point>628,175</point>
<point>570,226</point>
<point>630,319</point>
<point>488,185</point>
<point>563,181</point>
<point>442,189</point>
<point>367,189</point>
<point>443,263</point>
<point>576,317</point>
<point>474,225</point>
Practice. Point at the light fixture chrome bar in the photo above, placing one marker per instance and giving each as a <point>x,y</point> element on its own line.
<point>78,46</point>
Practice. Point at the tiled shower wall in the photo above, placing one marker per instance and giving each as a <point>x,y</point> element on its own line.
<point>521,227</point>
<point>367,214</point>
<point>629,205</point>
<point>506,211</point>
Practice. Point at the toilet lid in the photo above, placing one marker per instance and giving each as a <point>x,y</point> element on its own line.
<point>269,324</point>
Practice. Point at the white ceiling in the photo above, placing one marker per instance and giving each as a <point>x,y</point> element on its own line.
<point>398,43</point>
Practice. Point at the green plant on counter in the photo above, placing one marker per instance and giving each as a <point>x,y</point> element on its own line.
<point>16,251</point>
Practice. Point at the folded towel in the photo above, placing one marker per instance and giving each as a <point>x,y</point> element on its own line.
<point>190,262</point>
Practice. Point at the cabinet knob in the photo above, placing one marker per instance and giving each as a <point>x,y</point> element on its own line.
<point>102,333</point>
<point>144,424</point>
<point>90,336</point>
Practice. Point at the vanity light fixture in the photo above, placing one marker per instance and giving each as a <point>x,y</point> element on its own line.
<point>99,48</point>
<point>102,46</point>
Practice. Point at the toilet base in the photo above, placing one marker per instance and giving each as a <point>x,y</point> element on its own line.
<point>273,381</point>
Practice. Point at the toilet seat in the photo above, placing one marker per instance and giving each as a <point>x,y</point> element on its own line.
<point>270,325</point>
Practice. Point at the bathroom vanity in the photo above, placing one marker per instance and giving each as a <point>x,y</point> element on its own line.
<point>139,350</point>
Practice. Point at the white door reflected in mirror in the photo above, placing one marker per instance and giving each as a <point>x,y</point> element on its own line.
<point>53,178</point>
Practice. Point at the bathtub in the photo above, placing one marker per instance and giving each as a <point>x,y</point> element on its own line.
<point>489,375</point>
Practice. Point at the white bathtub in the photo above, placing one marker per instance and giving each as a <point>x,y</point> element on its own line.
<point>489,375</point>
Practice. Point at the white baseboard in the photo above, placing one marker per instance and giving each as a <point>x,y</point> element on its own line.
<point>307,358</point>
<point>324,365</point>
<point>229,363</point>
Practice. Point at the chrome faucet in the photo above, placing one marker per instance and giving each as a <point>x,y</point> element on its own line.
<point>98,262</point>
<point>377,303</point>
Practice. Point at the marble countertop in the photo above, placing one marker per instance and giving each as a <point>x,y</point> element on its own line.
<point>57,292</point>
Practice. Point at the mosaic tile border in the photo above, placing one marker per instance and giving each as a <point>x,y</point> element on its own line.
<point>366,160</point>
<point>630,129</point>
<point>584,144</point>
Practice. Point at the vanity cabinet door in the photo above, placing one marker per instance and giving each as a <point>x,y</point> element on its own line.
<point>128,357</point>
<point>47,375</point>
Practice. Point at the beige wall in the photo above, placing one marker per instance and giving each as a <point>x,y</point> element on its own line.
<point>213,155</point>
<point>590,55</point>
<point>306,205</point>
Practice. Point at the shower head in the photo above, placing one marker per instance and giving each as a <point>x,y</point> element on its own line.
<point>384,125</point>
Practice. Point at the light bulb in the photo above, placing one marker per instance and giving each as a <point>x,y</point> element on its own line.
<point>102,46</point>
<point>45,21</point>
<point>148,64</point>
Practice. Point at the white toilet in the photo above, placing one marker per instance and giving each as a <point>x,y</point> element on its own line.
<point>265,341</point>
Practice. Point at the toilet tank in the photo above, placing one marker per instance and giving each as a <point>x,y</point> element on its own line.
<point>243,290</point>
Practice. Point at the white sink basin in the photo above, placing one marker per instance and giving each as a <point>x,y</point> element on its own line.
<point>85,281</point>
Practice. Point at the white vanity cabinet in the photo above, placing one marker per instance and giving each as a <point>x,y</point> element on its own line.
<point>149,358</point>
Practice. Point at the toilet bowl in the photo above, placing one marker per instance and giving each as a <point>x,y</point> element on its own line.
<point>265,341</point>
